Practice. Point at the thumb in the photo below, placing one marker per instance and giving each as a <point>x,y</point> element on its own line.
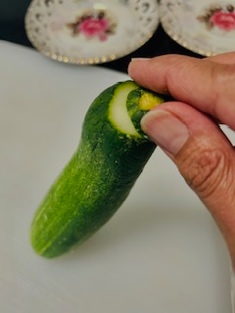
<point>204,157</point>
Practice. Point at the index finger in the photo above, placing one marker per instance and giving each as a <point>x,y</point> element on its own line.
<point>208,85</point>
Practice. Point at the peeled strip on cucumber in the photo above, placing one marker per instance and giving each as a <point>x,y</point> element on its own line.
<point>111,155</point>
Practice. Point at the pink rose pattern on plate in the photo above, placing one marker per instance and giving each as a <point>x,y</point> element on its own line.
<point>93,24</point>
<point>220,17</point>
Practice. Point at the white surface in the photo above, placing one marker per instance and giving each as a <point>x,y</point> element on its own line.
<point>160,253</point>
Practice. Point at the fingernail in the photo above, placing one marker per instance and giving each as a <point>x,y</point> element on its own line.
<point>166,130</point>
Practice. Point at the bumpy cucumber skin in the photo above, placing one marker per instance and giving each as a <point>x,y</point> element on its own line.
<point>93,185</point>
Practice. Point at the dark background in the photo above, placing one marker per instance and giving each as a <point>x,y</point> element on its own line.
<point>12,29</point>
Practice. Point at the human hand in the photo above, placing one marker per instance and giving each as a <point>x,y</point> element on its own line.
<point>188,129</point>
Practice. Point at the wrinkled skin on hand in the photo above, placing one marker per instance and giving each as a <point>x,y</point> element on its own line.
<point>187,129</point>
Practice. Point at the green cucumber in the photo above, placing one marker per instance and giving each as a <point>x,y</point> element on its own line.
<point>110,157</point>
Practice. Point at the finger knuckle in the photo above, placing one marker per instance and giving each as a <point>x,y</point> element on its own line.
<point>222,78</point>
<point>204,171</point>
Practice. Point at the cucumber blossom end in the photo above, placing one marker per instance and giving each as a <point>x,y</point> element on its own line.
<point>139,102</point>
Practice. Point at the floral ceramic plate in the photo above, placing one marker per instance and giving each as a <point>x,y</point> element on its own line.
<point>206,27</point>
<point>90,31</point>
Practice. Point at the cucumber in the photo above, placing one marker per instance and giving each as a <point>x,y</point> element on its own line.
<point>110,156</point>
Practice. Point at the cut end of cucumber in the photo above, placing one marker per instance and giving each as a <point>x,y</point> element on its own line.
<point>118,113</point>
<point>148,101</point>
<point>129,103</point>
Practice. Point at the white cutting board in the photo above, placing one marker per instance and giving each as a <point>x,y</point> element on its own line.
<point>161,253</point>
